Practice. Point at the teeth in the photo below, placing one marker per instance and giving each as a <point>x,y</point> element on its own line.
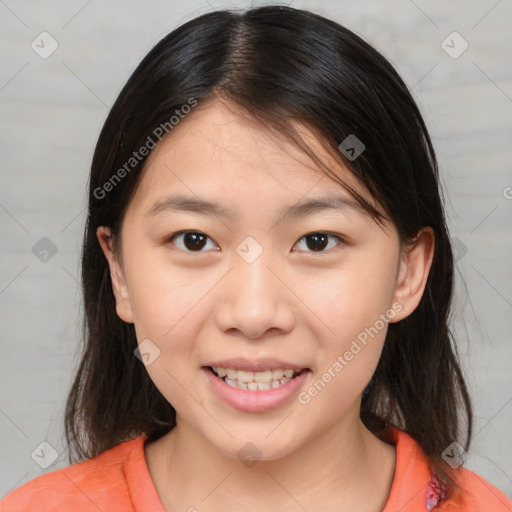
<point>263,377</point>
<point>255,381</point>
<point>279,374</point>
<point>232,374</point>
<point>244,376</point>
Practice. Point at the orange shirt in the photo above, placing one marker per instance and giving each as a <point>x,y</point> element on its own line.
<point>118,480</point>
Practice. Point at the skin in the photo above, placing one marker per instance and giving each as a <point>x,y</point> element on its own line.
<point>291,303</point>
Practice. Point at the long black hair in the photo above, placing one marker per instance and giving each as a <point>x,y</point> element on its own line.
<point>279,65</point>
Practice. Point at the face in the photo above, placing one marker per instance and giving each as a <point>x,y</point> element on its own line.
<point>288,303</point>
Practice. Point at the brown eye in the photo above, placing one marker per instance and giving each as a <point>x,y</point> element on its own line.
<point>192,241</point>
<point>317,242</point>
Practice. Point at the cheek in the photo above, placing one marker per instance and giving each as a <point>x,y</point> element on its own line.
<point>354,307</point>
<point>163,298</point>
<point>349,302</point>
<point>347,359</point>
<point>169,310</point>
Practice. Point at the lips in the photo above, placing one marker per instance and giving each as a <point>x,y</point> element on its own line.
<point>255,396</point>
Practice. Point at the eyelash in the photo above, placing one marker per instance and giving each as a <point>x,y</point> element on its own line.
<point>340,239</point>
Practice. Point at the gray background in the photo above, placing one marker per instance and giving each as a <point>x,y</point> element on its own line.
<point>51,113</point>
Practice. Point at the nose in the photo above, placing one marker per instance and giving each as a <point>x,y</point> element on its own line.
<point>255,300</point>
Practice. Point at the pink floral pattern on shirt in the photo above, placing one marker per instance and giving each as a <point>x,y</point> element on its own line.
<point>436,491</point>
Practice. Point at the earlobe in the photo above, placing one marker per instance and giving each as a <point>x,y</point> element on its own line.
<point>413,272</point>
<point>119,287</point>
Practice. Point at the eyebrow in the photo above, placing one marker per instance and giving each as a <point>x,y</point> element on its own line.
<point>182,203</point>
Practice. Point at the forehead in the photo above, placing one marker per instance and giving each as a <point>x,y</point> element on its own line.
<point>218,152</point>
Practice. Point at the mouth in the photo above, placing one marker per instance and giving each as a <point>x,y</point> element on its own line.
<point>256,381</point>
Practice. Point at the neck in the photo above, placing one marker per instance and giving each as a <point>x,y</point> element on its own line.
<point>344,468</point>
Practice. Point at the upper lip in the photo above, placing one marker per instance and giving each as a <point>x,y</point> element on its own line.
<point>255,365</point>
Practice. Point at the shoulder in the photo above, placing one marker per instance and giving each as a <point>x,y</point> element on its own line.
<point>476,494</point>
<point>415,488</point>
<point>91,485</point>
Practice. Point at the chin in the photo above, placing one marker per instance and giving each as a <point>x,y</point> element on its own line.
<point>249,447</point>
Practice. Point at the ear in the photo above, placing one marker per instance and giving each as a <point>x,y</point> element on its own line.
<point>123,306</point>
<point>413,273</point>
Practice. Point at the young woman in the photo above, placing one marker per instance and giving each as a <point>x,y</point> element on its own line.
<point>267,278</point>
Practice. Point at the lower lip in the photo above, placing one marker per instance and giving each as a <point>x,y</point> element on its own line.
<point>254,401</point>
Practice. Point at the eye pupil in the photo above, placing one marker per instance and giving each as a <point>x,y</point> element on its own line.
<point>194,239</point>
<point>316,246</point>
